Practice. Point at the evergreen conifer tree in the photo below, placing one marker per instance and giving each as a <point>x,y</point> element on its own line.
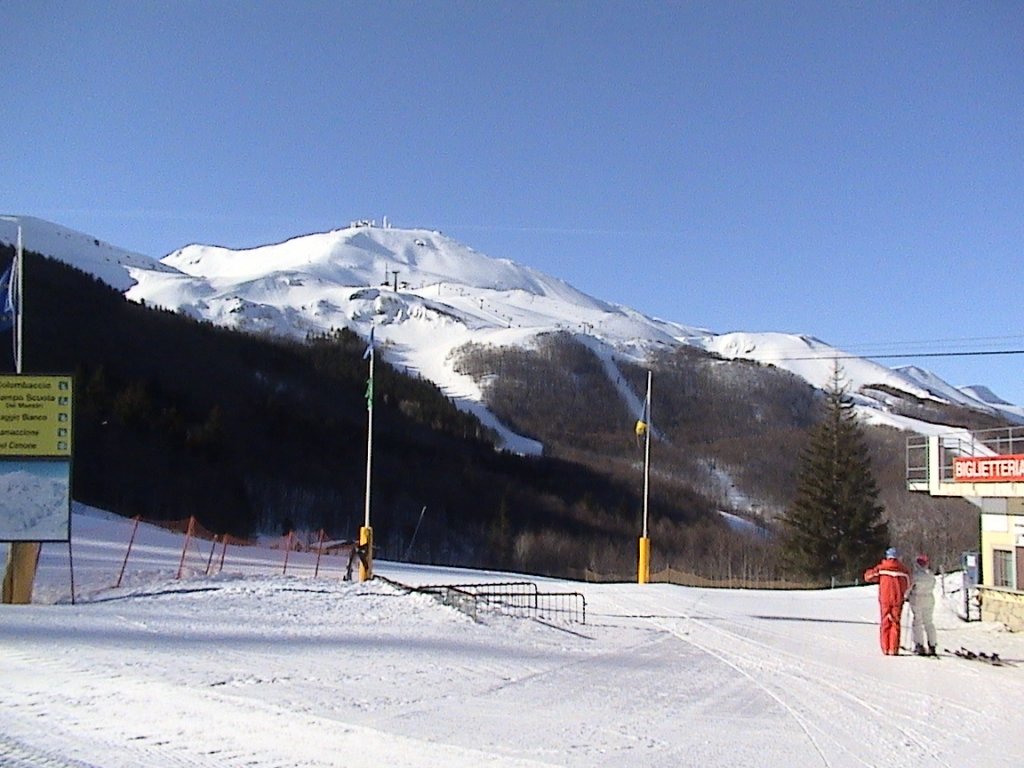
<point>835,526</point>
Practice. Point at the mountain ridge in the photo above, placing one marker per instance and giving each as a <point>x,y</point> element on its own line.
<point>427,296</point>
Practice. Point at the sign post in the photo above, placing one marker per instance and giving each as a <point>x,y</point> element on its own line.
<point>35,473</point>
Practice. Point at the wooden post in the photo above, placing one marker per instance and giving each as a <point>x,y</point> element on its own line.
<point>319,551</point>
<point>20,575</point>
<point>287,550</point>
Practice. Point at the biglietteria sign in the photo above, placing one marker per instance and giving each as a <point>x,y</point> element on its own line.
<point>35,458</point>
<point>989,469</point>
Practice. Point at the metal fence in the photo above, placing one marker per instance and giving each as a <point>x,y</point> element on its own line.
<point>1002,441</point>
<point>513,598</point>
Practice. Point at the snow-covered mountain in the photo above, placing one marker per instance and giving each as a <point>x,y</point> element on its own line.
<point>111,264</point>
<point>427,295</point>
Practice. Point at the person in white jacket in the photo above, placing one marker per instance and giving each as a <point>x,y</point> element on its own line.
<point>922,605</point>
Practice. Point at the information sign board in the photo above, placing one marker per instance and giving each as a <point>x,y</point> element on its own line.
<point>35,457</point>
<point>988,469</point>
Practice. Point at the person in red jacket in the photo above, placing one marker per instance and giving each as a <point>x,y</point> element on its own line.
<point>893,579</point>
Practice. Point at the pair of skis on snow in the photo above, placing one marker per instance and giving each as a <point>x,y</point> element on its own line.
<point>986,658</point>
<point>965,653</point>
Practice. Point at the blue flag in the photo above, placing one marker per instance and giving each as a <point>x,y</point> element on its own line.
<point>369,347</point>
<point>643,424</point>
<point>369,381</point>
<point>7,305</point>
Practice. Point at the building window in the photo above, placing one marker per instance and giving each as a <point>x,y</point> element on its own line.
<point>1002,568</point>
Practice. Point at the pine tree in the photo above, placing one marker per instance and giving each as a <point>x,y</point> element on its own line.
<point>835,526</point>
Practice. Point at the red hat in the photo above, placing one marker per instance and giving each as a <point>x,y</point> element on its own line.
<point>922,560</point>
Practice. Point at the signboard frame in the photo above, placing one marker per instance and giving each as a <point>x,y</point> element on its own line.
<point>36,452</point>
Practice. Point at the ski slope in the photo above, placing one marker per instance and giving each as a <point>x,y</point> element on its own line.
<point>267,669</point>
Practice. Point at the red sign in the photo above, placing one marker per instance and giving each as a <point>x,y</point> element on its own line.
<point>989,469</point>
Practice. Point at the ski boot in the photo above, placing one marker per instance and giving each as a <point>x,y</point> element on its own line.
<point>919,650</point>
<point>932,651</point>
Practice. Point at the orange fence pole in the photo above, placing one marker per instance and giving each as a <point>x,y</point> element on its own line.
<point>184,549</point>
<point>213,548</point>
<point>130,542</point>
<point>287,550</point>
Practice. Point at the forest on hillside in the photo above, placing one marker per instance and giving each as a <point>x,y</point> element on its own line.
<point>175,417</point>
<point>726,430</point>
<point>251,434</point>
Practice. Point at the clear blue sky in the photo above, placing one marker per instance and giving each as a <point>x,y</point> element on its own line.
<point>852,171</point>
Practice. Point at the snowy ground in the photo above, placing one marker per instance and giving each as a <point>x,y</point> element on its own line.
<point>257,668</point>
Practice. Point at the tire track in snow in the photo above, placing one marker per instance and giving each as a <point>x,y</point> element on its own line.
<point>14,754</point>
<point>797,718</point>
<point>797,707</point>
<point>254,733</point>
<point>886,699</point>
<point>883,717</point>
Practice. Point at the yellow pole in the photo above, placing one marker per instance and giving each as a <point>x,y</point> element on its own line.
<point>20,576</point>
<point>366,562</point>
<point>366,532</point>
<point>643,571</point>
<point>643,568</point>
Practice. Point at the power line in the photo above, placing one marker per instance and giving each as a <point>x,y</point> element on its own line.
<point>977,353</point>
<point>971,340</point>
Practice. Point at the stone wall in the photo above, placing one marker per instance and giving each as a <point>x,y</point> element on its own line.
<point>1003,605</point>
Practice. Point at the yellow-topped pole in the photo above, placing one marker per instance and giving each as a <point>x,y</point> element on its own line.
<point>643,571</point>
<point>366,532</point>
<point>366,546</point>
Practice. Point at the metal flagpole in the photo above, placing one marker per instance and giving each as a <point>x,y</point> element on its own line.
<point>647,454</point>
<point>369,440</point>
<point>366,532</point>
<point>644,565</point>
<point>20,284</point>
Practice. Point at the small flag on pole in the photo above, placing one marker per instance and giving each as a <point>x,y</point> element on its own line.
<point>369,381</point>
<point>7,305</point>
<point>369,346</point>
<point>644,422</point>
